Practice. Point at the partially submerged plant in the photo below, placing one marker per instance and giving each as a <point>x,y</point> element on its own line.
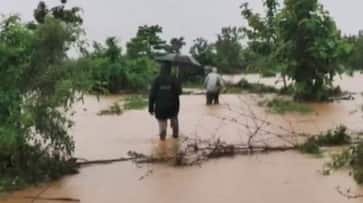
<point>336,137</point>
<point>282,106</point>
<point>114,109</point>
<point>135,102</point>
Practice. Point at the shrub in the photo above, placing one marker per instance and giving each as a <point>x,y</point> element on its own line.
<point>123,75</point>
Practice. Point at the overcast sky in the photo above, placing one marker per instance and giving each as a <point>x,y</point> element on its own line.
<point>188,18</point>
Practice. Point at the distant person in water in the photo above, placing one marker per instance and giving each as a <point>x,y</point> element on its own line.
<point>214,84</point>
<point>164,101</point>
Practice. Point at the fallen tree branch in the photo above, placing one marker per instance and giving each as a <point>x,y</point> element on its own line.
<point>103,161</point>
<point>194,152</point>
<point>348,194</point>
<point>58,199</point>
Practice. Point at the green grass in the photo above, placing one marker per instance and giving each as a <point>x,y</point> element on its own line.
<point>135,102</point>
<point>282,106</point>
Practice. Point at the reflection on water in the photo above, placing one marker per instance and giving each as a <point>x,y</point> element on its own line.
<point>278,177</point>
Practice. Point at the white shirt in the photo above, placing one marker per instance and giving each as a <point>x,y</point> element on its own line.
<point>213,82</point>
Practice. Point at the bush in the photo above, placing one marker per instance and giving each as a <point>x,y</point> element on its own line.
<point>140,73</point>
<point>336,137</point>
<point>123,75</point>
<point>311,146</point>
<point>37,81</point>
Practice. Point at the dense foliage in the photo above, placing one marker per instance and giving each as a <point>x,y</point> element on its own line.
<point>229,50</point>
<point>112,72</point>
<point>147,42</point>
<point>203,51</point>
<point>302,42</point>
<point>36,79</point>
<point>355,59</point>
<point>176,45</point>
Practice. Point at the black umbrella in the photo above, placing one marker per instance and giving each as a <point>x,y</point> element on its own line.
<point>180,61</point>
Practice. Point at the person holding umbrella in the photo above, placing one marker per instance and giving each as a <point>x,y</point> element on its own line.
<point>164,100</point>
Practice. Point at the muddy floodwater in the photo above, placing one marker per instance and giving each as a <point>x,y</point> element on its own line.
<point>282,177</point>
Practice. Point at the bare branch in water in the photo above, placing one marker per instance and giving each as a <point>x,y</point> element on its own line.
<point>348,194</point>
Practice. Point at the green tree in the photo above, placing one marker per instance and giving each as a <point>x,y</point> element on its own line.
<point>229,50</point>
<point>301,41</point>
<point>355,59</point>
<point>37,79</point>
<point>60,12</point>
<point>261,32</point>
<point>311,46</point>
<point>176,45</point>
<point>146,43</point>
<point>112,72</point>
<point>203,51</point>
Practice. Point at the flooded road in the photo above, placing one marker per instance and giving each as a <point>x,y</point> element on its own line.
<point>282,177</point>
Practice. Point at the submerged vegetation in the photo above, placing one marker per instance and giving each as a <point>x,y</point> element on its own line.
<point>352,158</point>
<point>114,109</point>
<point>131,102</point>
<point>282,106</point>
<point>135,102</point>
<point>337,137</point>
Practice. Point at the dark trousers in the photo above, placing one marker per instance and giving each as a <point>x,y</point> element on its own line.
<point>212,98</point>
<point>163,124</point>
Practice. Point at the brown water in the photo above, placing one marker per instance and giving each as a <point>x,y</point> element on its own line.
<point>276,177</point>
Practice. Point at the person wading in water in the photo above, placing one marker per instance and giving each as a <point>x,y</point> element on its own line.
<point>164,100</point>
<point>214,85</point>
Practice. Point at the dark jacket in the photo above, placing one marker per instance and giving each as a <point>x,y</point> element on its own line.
<point>164,97</point>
